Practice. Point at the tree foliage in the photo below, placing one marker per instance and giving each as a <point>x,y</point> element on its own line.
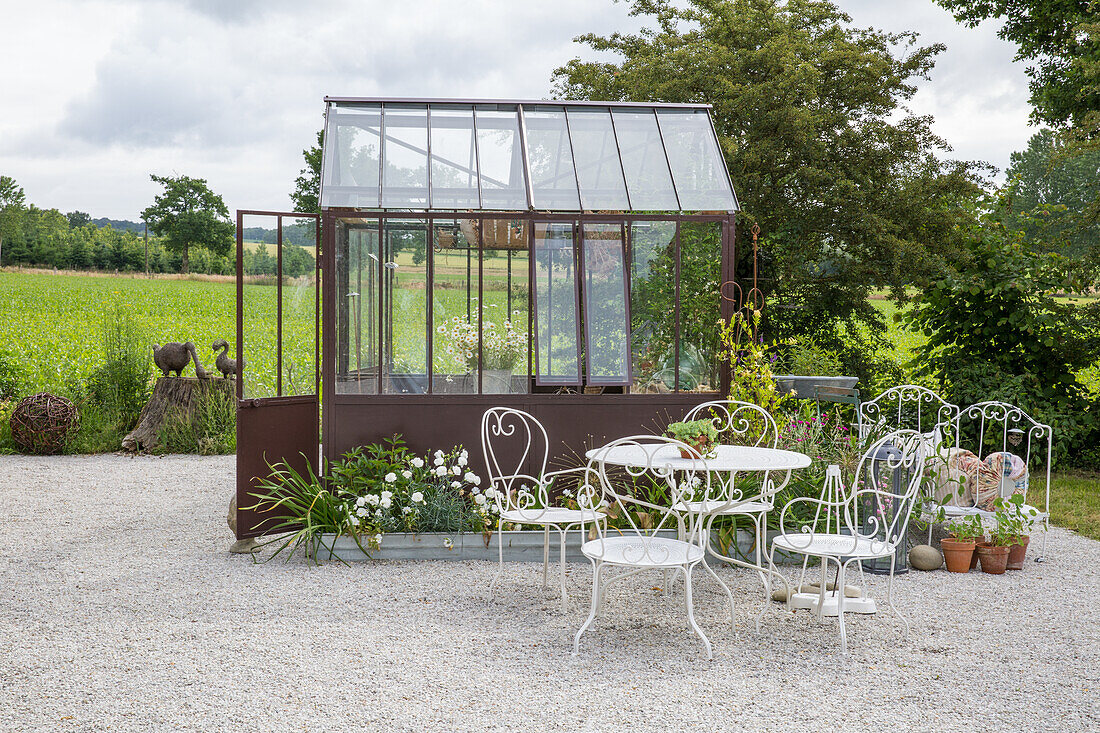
<point>188,214</point>
<point>306,195</point>
<point>12,209</point>
<point>847,188</point>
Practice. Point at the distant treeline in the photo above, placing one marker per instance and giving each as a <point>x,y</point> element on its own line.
<point>48,238</point>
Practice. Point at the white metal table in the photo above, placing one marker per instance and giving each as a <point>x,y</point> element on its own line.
<point>728,460</point>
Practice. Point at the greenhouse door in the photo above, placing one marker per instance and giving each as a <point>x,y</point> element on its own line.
<point>277,350</point>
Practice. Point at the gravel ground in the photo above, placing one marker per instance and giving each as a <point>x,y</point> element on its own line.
<point>121,609</point>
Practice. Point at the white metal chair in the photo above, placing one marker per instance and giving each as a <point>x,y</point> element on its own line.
<point>864,521</point>
<point>998,427</point>
<point>742,423</point>
<point>523,497</point>
<point>636,549</point>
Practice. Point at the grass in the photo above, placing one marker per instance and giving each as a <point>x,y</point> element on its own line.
<point>1075,502</point>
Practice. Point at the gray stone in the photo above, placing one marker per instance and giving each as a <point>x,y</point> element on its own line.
<point>925,557</point>
<point>245,546</point>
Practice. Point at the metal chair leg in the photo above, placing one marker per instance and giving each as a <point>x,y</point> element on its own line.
<point>500,561</point>
<point>691,612</point>
<point>596,602</point>
<point>545,554</point>
<point>840,604</point>
<point>564,595</point>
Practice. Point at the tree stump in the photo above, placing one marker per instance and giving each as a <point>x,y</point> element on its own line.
<point>173,398</point>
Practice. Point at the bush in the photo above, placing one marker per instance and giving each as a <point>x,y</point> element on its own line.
<point>120,385</point>
<point>210,428</point>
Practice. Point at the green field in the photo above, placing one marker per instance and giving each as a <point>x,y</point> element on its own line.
<point>54,324</point>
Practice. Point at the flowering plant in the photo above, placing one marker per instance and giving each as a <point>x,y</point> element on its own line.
<point>501,348</point>
<point>387,488</point>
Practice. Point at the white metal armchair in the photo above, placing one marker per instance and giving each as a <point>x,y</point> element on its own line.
<point>864,521</point>
<point>907,407</point>
<point>523,497</point>
<point>635,549</point>
<point>742,423</point>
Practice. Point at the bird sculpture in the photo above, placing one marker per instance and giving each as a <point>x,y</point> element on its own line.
<point>225,365</point>
<point>173,357</point>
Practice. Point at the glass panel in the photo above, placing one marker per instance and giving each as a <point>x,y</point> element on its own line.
<point>357,306</point>
<point>454,307</point>
<point>558,358</point>
<point>607,355</point>
<point>351,156</point>
<point>598,168</point>
<point>700,304</point>
<point>504,307</point>
<point>454,160</point>
<point>404,306</point>
<point>500,157</point>
<point>697,165</point>
<point>553,180</point>
<point>299,298</point>
<point>405,154</point>
<point>653,306</point>
<point>647,175</point>
<point>259,304</point>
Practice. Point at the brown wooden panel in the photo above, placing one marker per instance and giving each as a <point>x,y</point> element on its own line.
<point>269,431</point>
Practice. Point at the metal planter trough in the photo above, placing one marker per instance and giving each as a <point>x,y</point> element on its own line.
<point>806,387</point>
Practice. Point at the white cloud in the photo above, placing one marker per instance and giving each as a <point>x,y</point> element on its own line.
<point>105,92</point>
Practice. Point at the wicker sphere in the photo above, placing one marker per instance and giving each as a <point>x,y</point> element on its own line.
<point>42,422</point>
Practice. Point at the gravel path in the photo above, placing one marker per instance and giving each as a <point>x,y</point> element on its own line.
<point>121,609</point>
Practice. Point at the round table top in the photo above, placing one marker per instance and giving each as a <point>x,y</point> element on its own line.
<point>728,458</point>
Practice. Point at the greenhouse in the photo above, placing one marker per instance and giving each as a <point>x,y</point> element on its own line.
<point>563,257</point>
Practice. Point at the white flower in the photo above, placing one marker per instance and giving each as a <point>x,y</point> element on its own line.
<point>417,462</point>
<point>387,503</point>
<point>361,512</point>
<point>472,478</point>
<point>475,490</point>
<point>494,508</point>
<point>391,477</point>
<point>372,499</point>
<point>387,495</point>
<point>456,470</point>
<point>355,521</point>
<point>361,501</point>
<point>441,471</point>
<point>479,499</point>
<point>462,459</point>
<point>407,474</point>
<point>448,543</point>
<point>456,484</point>
<point>417,498</point>
<point>491,493</point>
<point>438,460</point>
<point>406,509</point>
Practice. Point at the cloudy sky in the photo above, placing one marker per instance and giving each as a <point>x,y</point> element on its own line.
<point>100,93</point>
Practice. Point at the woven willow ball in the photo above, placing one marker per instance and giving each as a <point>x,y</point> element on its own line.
<point>925,557</point>
<point>42,422</point>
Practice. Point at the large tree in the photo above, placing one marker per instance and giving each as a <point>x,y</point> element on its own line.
<point>12,209</point>
<point>1048,187</point>
<point>847,187</point>
<point>188,214</point>
<point>306,195</point>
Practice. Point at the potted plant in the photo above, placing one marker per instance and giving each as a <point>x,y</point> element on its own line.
<point>994,554</point>
<point>1017,526</point>
<point>501,350</point>
<point>701,435</point>
<point>958,549</point>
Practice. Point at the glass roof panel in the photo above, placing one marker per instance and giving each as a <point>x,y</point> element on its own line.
<point>500,157</point>
<point>550,158</point>
<point>351,164</point>
<point>647,175</point>
<point>449,155</point>
<point>698,168</point>
<point>405,157</point>
<point>598,168</point>
<point>454,158</point>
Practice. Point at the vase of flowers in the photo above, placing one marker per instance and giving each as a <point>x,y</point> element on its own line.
<point>502,348</point>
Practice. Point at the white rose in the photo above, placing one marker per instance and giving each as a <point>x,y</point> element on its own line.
<point>417,462</point>
<point>386,503</point>
<point>407,474</point>
<point>417,497</point>
<point>391,477</point>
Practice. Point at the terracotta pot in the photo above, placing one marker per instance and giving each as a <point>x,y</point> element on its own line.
<point>957,554</point>
<point>974,560</point>
<point>697,450</point>
<point>994,559</point>
<point>1017,552</point>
